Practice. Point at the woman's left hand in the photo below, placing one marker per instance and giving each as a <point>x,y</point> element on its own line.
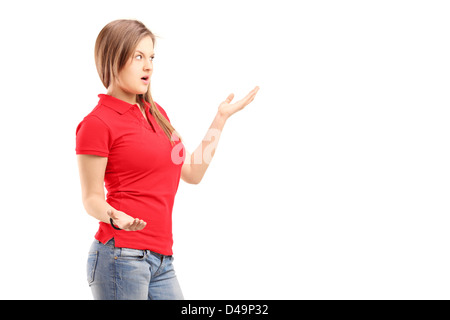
<point>226,108</point>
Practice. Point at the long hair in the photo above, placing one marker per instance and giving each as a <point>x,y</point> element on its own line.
<point>114,46</point>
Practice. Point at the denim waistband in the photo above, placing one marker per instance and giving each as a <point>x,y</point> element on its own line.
<point>111,243</point>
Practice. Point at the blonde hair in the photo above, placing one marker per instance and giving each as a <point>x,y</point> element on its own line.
<point>114,46</point>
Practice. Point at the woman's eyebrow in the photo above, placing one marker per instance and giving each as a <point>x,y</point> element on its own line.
<point>143,53</point>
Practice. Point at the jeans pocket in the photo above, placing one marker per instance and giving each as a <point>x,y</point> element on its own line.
<point>131,254</point>
<point>91,266</point>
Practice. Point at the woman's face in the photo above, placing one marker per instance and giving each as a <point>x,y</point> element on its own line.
<point>134,78</point>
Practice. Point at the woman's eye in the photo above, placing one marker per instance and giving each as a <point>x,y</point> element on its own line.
<point>139,57</point>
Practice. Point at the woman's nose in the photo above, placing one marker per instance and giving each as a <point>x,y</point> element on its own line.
<point>148,66</point>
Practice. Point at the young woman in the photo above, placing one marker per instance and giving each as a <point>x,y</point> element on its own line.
<point>128,143</point>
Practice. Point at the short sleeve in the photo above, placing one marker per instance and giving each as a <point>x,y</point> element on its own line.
<point>93,137</point>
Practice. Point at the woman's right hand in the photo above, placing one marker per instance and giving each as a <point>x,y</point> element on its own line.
<point>125,222</point>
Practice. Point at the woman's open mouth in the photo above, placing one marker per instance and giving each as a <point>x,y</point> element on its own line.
<point>146,79</point>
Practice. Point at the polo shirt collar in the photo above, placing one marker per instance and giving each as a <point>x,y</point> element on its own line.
<point>118,105</point>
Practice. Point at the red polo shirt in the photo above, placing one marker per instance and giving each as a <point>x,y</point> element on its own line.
<point>142,173</point>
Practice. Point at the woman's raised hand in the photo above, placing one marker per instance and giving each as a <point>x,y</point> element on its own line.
<point>226,108</point>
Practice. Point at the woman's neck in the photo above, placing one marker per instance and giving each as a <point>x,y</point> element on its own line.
<point>122,95</point>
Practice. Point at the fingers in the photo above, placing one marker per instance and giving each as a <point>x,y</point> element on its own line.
<point>246,100</point>
<point>137,225</point>
<point>249,97</point>
<point>229,98</point>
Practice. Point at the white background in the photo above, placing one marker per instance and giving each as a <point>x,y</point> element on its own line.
<point>332,184</point>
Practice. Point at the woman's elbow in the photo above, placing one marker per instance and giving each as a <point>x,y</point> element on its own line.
<point>190,176</point>
<point>191,180</point>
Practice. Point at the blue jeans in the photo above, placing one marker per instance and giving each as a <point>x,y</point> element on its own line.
<point>130,274</point>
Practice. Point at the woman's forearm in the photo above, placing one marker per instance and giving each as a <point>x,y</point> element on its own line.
<point>195,165</point>
<point>202,156</point>
<point>97,207</point>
